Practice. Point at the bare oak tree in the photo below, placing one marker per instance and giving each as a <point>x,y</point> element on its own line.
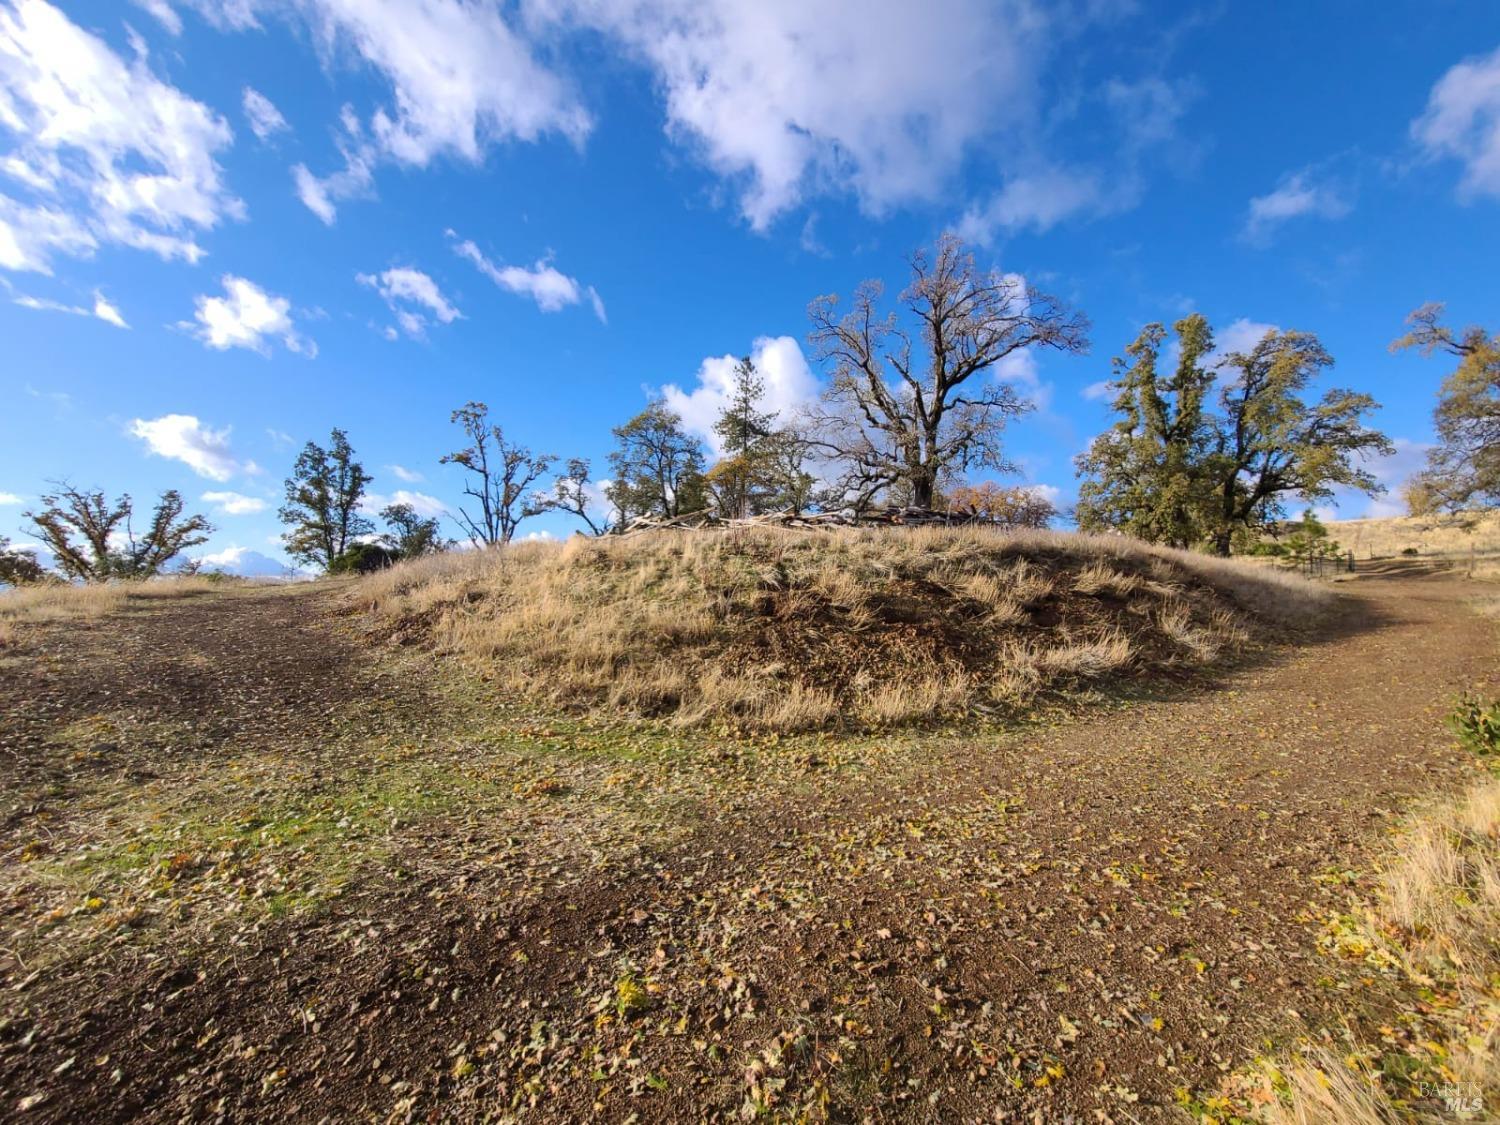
<point>909,413</point>
<point>500,479</point>
<point>91,537</point>
<point>570,493</point>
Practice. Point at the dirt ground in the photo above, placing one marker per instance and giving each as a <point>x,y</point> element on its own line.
<point>254,868</point>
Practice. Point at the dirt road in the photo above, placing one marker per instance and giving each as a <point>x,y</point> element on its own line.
<point>255,870</point>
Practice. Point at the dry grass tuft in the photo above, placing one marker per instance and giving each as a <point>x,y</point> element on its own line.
<point>1322,1089</point>
<point>788,629</point>
<point>1434,925</point>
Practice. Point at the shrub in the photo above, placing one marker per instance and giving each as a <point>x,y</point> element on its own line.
<point>1410,552</point>
<point>364,558</point>
<point>1477,725</point>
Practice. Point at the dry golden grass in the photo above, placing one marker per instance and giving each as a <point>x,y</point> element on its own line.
<point>61,601</point>
<point>1436,921</point>
<point>793,629</point>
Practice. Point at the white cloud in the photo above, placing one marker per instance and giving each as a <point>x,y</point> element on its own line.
<point>1238,336</point>
<point>1019,369</point>
<point>234,503</point>
<point>410,476</point>
<point>101,309</point>
<point>163,13</point>
<point>1392,470</point>
<point>265,119</point>
<point>182,437</point>
<point>461,79</point>
<point>111,153</point>
<point>1096,392</point>
<point>789,385</point>
<point>106,311</point>
<point>424,505</point>
<point>880,97</point>
<point>1297,194</point>
<point>1462,120</point>
<point>247,563</point>
<point>551,289</point>
<point>354,181</point>
<point>404,287</point>
<point>1144,114</point>
<point>246,317</point>
<point>1038,201</point>
<point>9,498</point>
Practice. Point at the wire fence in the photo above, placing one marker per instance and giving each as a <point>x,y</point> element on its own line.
<point>1325,566</point>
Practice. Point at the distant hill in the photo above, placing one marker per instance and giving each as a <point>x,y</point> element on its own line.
<point>1447,536</point>
<point>246,563</point>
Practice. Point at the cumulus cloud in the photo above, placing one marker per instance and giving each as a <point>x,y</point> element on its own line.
<point>487,88</point>
<point>1239,336</point>
<point>550,288</point>
<point>246,317</point>
<point>1096,392</point>
<point>785,98</point>
<point>101,308</point>
<point>410,476</point>
<point>9,498</point>
<point>234,503</point>
<point>1297,194</point>
<point>106,151</point>
<point>1462,121</point>
<point>182,437</point>
<point>405,291</point>
<point>789,386</point>
<point>265,119</point>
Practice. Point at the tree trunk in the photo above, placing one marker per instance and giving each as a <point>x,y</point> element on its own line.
<point>922,490</point>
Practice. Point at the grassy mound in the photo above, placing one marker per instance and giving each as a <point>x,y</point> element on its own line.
<point>789,630</point>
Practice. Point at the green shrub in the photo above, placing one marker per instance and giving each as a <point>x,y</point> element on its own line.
<point>1411,552</point>
<point>1477,725</point>
<point>364,558</point>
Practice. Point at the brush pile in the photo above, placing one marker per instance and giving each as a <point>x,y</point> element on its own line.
<point>884,517</point>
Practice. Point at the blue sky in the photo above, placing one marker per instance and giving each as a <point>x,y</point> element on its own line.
<point>229,225</point>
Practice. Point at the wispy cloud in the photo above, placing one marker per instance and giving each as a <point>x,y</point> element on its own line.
<point>413,298</point>
<point>551,289</point>
<point>1298,194</point>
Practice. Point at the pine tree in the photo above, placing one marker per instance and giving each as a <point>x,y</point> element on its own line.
<point>742,480</point>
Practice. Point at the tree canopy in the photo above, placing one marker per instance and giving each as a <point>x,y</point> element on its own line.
<point>1169,471</point>
<point>91,537</point>
<point>1145,475</point>
<point>1463,469</point>
<point>908,413</point>
<point>657,466</point>
<point>500,477</point>
<point>323,498</point>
